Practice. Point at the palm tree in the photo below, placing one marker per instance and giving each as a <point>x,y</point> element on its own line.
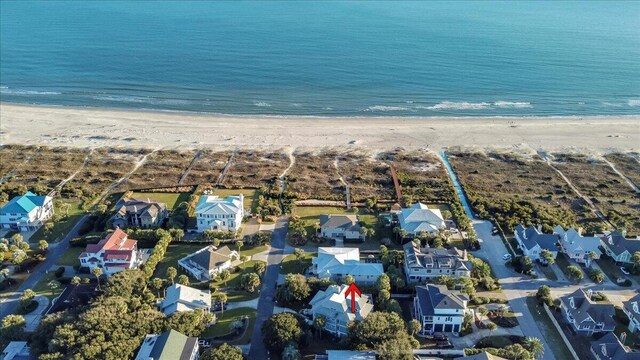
<point>75,281</point>
<point>157,284</point>
<point>97,272</point>
<point>290,352</point>
<point>482,311</point>
<point>171,274</point>
<point>236,325</point>
<point>243,258</point>
<point>239,245</point>
<point>224,276</point>
<point>535,346</point>
<point>502,308</point>
<point>491,326</point>
<point>318,323</point>
<point>414,326</point>
<point>222,298</point>
<point>53,285</point>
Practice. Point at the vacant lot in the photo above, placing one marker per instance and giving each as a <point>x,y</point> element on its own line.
<point>162,169</point>
<point>627,165</point>
<point>517,189</point>
<point>105,167</point>
<point>366,176</point>
<point>421,174</point>
<point>314,176</point>
<point>610,193</point>
<point>174,253</point>
<point>48,167</point>
<point>251,168</point>
<point>207,167</point>
<point>13,156</point>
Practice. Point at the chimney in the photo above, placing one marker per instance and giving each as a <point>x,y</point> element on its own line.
<point>589,293</point>
<point>539,228</point>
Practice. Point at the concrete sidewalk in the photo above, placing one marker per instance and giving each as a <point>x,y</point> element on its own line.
<point>33,318</point>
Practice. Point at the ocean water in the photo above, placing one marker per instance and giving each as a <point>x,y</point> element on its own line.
<point>336,58</point>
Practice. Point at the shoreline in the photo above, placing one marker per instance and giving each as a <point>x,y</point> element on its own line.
<point>296,117</point>
<point>95,127</point>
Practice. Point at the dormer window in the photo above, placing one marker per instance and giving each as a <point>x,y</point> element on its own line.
<point>635,307</point>
<point>572,303</point>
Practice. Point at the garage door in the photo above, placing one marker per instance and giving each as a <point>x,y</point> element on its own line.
<point>448,327</point>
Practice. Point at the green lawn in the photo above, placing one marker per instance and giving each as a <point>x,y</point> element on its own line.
<point>42,287</point>
<point>70,257</point>
<point>254,250</point>
<point>549,331</point>
<point>250,196</point>
<point>234,280</point>
<point>495,342</point>
<point>62,227</point>
<point>622,325</point>
<point>290,265</point>
<point>235,296</point>
<point>562,262</point>
<point>171,199</point>
<point>221,326</point>
<point>610,269</point>
<point>548,272</point>
<point>174,253</point>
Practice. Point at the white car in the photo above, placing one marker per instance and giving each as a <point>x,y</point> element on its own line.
<point>624,271</point>
<point>506,257</point>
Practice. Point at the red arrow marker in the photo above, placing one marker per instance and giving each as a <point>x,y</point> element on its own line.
<point>353,291</point>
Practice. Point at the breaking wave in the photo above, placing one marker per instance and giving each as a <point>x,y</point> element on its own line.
<point>387,108</point>
<point>6,90</point>
<point>261,104</point>
<point>512,104</point>
<point>141,100</point>
<point>634,102</point>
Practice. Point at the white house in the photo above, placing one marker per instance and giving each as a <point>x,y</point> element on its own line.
<point>115,253</point>
<point>184,298</point>
<point>215,213</point>
<point>580,248</point>
<point>336,308</point>
<point>419,218</point>
<point>420,265</point>
<point>631,308</point>
<point>171,344</point>
<point>619,247</point>
<point>16,350</point>
<point>340,227</point>
<point>27,212</point>
<point>207,262</point>
<point>532,241</point>
<point>337,263</point>
<point>439,309</point>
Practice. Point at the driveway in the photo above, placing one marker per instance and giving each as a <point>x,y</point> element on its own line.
<point>266,302</point>
<point>470,340</point>
<point>9,304</point>
<point>33,318</point>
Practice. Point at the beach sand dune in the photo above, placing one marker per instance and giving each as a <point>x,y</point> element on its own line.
<point>57,126</point>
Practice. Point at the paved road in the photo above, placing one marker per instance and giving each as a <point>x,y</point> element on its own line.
<point>266,302</point>
<point>9,304</point>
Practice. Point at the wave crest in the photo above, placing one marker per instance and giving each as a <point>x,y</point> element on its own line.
<point>7,91</point>
<point>450,105</point>
<point>512,104</point>
<point>261,104</point>
<point>634,102</point>
<point>387,108</point>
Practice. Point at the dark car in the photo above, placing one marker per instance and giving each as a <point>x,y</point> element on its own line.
<point>217,306</point>
<point>445,344</point>
<point>440,337</point>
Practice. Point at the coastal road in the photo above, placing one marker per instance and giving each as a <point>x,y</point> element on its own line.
<point>9,304</point>
<point>266,302</point>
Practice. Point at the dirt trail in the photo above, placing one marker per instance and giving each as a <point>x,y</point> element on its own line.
<point>595,209</point>
<point>186,172</point>
<point>292,161</point>
<point>346,186</point>
<point>626,179</point>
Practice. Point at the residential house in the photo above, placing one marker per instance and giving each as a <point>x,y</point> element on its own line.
<point>420,265</point>
<point>609,347</point>
<point>420,218</point>
<point>532,241</point>
<point>142,213</point>
<point>17,350</point>
<point>340,227</point>
<point>631,308</point>
<point>336,263</point>
<point>336,308</point>
<point>184,298</point>
<point>585,316</point>
<point>580,248</point>
<point>481,356</point>
<point>26,213</point>
<point>438,309</point>
<point>170,345</point>
<point>221,214</point>
<point>619,247</point>
<point>207,262</point>
<point>115,253</point>
<point>73,296</point>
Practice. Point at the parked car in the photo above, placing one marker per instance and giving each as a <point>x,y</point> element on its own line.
<point>506,257</point>
<point>446,344</point>
<point>624,271</point>
<point>440,337</point>
<point>217,306</point>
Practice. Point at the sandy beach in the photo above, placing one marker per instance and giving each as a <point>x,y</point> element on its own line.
<point>58,126</point>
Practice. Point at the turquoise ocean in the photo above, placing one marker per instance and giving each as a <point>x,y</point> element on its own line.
<point>337,58</point>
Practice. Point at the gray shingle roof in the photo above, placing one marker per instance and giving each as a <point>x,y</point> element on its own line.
<point>432,297</point>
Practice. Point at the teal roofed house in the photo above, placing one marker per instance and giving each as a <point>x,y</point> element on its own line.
<point>170,345</point>
<point>27,212</point>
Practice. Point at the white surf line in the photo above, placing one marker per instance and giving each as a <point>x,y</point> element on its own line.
<point>65,181</point>
<point>118,182</point>
<point>576,191</point>
<point>23,163</point>
<point>292,161</point>
<point>626,179</point>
